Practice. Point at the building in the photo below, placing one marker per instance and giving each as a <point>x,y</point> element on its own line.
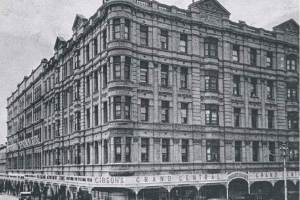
<point>2,158</point>
<point>151,101</point>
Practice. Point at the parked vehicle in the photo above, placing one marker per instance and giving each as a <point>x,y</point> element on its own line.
<point>25,196</point>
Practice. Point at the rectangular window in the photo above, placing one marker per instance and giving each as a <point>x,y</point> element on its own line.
<point>292,118</point>
<point>116,29</point>
<point>104,69</point>
<point>183,43</point>
<point>291,61</point>
<point>88,153</point>
<point>184,150</point>
<point>269,59</point>
<point>128,149</point>
<point>211,114</point>
<point>145,149</point>
<point>184,113</point>
<point>255,151</point>
<point>238,151</point>
<point>77,90</point>
<point>144,110</point>
<point>253,57</point>
<point>211,81</point>
<point>270,90</point>
<point>164,39</point>
<point>117,67</point>
<point>271,151</point>
<point>57,128</point>
<point>104,39</point>
<point>105,147</point>
<point>65,126</point>
<point>127,68</point>
<point>96,152</point>
<point>236,85</point>
<point>212,151</point>
<point>127,30</point>
<point>293,151</point>
<point>64,99</point>
<point>95,44</point>
<point>65,71</point>
<point>254,118</point>
<point>164,76</point>
<point>165,150</point>
<point>183,78</point>
<point>77,59</point>
<point>144,72</point>
<point>37,92</point>
<point>77,121</point>
<point>96,81</point>
<point>253,87</point>
<point>144,35</point>
<point>105,113</point>
<point>118,149</point>
<point>70,63</point>
<point>57,102</point>
<point>117,107</point>
<point>87,52</point>
<point>165,111</point>
<point>71,124</point>
<point>88,86</point>
<point>237,117</point>
<point>270,119</point>
<point>127,107</point>
<point>211,47</point>
<point>96,115</point>
<point>292,94</point>
<point>70,94</point>
<point>235,53</point>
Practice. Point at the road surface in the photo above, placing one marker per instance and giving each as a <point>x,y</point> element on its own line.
<point>7,197</point>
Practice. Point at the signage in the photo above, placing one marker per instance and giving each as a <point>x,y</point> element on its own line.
<point>29,142</point>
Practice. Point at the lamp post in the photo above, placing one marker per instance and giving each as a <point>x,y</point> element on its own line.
<point>284,149</point>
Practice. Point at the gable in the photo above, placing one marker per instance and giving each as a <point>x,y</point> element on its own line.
<point>78,21</point>
<point>288,26</point>
<point>60,42</point>
<point>212,7</point>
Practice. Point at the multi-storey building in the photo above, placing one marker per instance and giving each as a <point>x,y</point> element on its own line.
<point>2,158</point>
<point>157,102</point>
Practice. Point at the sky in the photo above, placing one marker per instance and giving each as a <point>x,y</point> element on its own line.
<point>28,29</point>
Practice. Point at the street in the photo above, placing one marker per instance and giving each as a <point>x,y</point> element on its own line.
<point>7,197</point>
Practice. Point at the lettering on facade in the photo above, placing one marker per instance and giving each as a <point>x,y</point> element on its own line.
<point>29,142</point>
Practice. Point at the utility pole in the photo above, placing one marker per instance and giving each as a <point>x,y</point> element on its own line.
<point>284,149</point>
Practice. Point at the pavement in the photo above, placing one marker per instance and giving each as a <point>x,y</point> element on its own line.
<point>7,197</point>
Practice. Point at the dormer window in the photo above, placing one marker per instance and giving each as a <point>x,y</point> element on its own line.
<point>291,61</point>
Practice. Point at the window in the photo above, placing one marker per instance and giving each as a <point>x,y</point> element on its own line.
<point>77,121</point>
<point>96,152</point>
<point>77,60</point>
<point>255,151</point>
<point>253,87</point>
<point>211,81</point>
<point>184,150</point>
<point>165,111</point>
<point>235,53</point>
<point>57,102</point>
<point>127,30</point>
<point>293,118</point>
<point>269,59</point>
<point>104,69</point>
<point>95,44</point>
<point>117,67</point>
<point>88,153</point>
<point>183,43</point>
<point>144,72</point>
<point>37,113</point>
<point>183,78</point>
<point>87,52</point>
<point>71,124</point>
<point>164,75</point>
<point>270,119</point>
<point>254,118</point>
<point>105,147</point>
<point>236,85</point>
<point>117,107</point>
<point>105,113</point>
<point>238,151</point>
<point>294,151</point>
<point>116,29</point>
<point>70,64</point>
<point>77,89</point>
<point>70,94</point>
<point>253,57</point>
<point>291,63</point>
<point>127,68</point>
<point>96,80</point>
<point>57,128</point>
<point>164,39</point>
<point>270,91</point>
<point>104,39</point>
<point>128,149</point>
<point>37,92</point>
<point>211,47</point>
<point>127,107</point>
<point>184,113</point>
<point>88,118</point>
<point>212,151</point>
<point>65,71</point>
<point>96,115</point>
<point>64,99</point>
<point>118,149</point>
<point>292,89</point>
<point>144,110</point>
<point>237,117</point>
<point>165,150</point>
<point>211,114</point>
<point>88,86</point>
<point>145,149</point>
<point>271,151</point>
<point>144,35</point>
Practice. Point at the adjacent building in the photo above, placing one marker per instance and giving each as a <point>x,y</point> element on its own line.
<point>2,158</point>
<point>157,102</point>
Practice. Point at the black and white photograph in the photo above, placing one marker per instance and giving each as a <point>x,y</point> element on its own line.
<point>149,99</point>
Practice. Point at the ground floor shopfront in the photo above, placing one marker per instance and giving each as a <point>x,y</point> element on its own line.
<point>235,186</point>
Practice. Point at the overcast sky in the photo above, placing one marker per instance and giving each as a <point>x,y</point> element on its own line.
<point>28,29</point>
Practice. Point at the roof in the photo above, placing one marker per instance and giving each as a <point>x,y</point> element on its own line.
<point>209,4</point>
<point>79,19</point>
<point>288,26</point>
